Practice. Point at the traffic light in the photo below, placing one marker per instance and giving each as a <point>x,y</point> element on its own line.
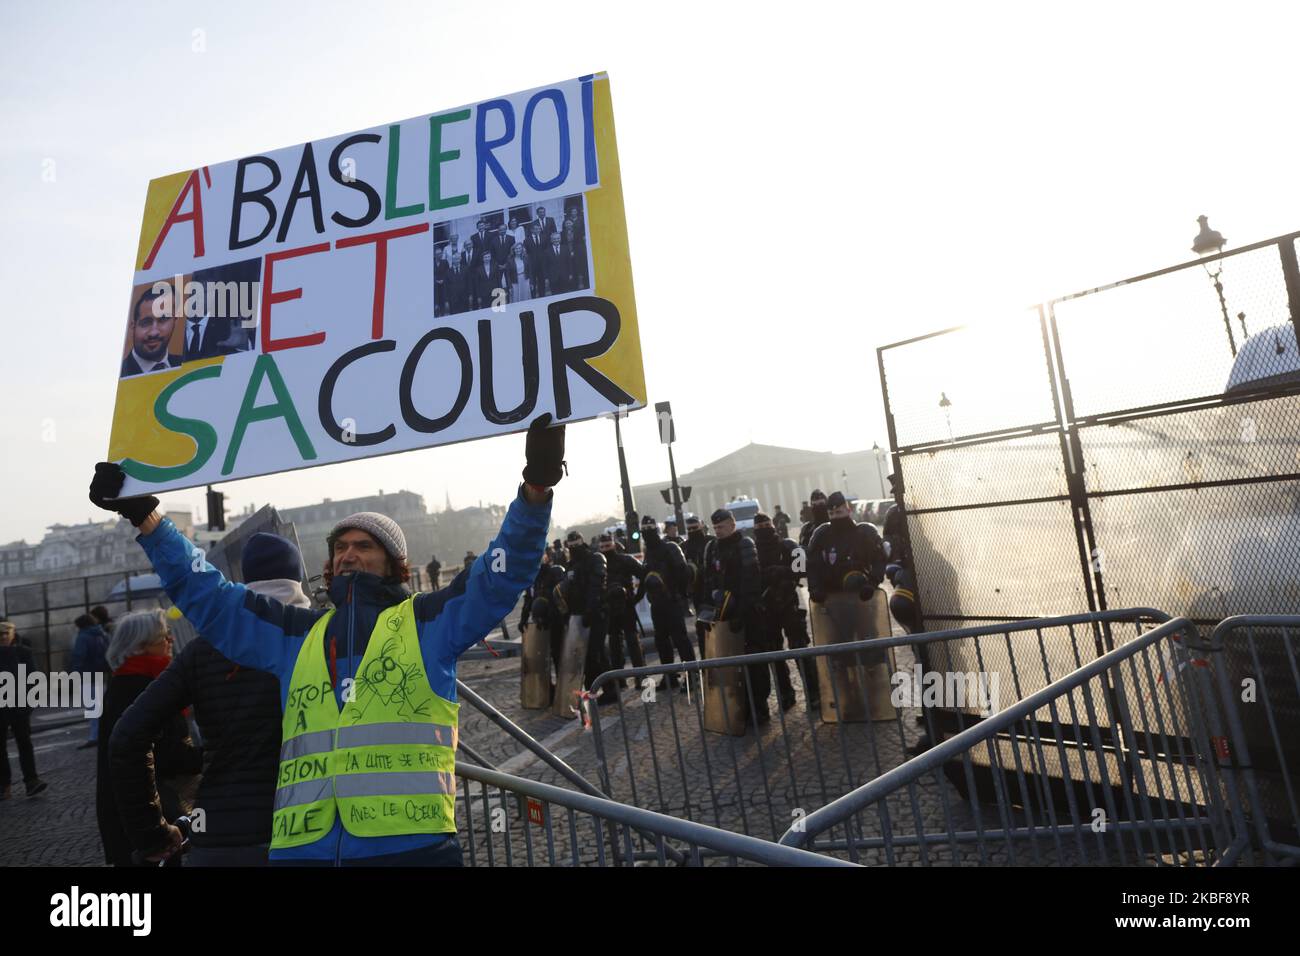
<point>667,494</point>
<point>216,510</point>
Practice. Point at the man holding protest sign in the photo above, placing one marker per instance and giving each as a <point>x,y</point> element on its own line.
<point>368,688</point>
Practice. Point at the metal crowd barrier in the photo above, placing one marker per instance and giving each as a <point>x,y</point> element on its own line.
<point>1136,731</point>
<point>535,747</point>
<point>1254,661</point>
<point>760,783</point>
<point>508,821</point>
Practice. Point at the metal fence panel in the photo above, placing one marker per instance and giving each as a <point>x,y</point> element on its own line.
<point>1178,425</point>
<point>1163,338</point>
<point>508,821</point>
<point>969,381</point>
<point>1009,470</point>
<point>654,749</point>
<point>1004,563</point>
<point>1255,661</point>
<point>1028,785</point>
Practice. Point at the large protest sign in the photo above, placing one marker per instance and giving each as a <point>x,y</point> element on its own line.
<point>440,279</point>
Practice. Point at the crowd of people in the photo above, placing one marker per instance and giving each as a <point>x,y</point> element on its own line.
<point>508,260</point>
<point>749,583</point>
<point>276,687</point>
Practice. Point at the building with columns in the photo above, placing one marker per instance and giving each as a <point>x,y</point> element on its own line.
<point>775,476</point>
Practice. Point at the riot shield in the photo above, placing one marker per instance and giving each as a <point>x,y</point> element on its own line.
<point>535,668</point>
<point>861,682</point>
<point>725,703</point>
<point>573,664</point>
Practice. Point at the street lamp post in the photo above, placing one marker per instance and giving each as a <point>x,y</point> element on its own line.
<point>1210,242</point>
<point>875,450</point>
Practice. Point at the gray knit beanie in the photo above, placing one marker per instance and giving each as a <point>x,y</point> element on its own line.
<point>380,527</point>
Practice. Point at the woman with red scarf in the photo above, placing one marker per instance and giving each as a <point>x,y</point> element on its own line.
<point>140,650</point>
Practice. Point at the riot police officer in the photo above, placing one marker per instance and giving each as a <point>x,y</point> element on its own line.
<point>894,527</point>
<point>781,521</point>
<point>621,571</point>
<point>777,558</point>
<point>697,539</point>
<point>582,593</point>
<point>539,604</point>
<point>820,515</point>
<point>844,555</point>
<point>731,591</point>
<point>665,586</point>
<point>670,533</point>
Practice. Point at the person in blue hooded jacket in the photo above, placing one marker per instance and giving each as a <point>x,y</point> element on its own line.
<point>356,643</point>
<point>90,657</point>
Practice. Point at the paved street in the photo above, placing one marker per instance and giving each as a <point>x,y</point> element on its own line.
<point>57,827</point>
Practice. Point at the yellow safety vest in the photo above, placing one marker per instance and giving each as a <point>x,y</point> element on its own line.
<point>386,762</point>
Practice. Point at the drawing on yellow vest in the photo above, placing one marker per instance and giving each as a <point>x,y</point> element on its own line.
<point>392,681</point>
<point>384,763</point>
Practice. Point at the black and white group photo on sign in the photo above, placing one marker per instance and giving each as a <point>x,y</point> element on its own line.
<point>510,255</point>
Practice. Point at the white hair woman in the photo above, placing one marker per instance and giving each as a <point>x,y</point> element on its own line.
<point>141,633</point>
<point>238,714</point>
<point>141,649</point>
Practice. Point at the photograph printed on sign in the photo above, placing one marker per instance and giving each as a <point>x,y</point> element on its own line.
<point>154,340</point>
<point>510,255</point>
<point>208,313</point>
<point>226,323</point>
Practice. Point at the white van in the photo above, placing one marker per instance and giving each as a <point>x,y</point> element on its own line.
<point>743,510</point>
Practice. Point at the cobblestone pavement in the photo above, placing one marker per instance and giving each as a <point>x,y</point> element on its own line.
<point>660,758</point>
<point>56,827</point>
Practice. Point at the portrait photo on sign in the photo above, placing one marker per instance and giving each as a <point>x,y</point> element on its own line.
<point>221,310</point>
<point>154,339</point>
<point>511,255</point>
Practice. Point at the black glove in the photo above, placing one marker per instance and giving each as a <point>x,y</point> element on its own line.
<point>866,593</point>
<point>107,484</point>
<point>544,453</point>
<point>817,596</point>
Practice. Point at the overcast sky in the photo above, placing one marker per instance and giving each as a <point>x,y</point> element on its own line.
<point>804,182</point>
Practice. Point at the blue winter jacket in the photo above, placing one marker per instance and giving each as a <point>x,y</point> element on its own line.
<point>254,630</point>
<point>90,652</point>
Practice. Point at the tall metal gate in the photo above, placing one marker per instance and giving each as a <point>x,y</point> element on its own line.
<point>1132,445</point>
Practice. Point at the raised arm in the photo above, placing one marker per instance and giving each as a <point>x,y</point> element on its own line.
<point>132,753</point>
<point>511,561</point>
<point>495,580</point>
<point>250,629</point>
